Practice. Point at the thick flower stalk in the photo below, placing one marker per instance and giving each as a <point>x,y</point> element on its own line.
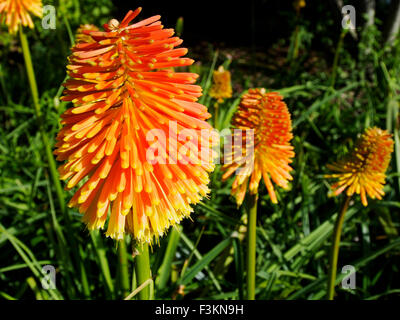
<point>362,170</point>
<point>17,12</point>
<point>221,88</point>
<point>267,155</point>
<point>124,93</point>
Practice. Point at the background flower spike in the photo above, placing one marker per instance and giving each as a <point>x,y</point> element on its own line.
<point>15,13</point>
<point>270,154</point>
<point>362,170</point>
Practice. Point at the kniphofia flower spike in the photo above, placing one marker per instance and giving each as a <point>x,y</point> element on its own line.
<point>222,87</point>
<point>362,170</point>
<point>270,153</point>
<point>122,87</point>
<point>17,12</point>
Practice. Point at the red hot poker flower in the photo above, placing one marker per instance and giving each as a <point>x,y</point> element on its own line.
<point>270,154</point>
<point>122,87</point>
<point>362,170</point>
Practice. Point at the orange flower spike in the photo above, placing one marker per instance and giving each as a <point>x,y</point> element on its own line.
<point>121,91</point>
<point>271,153</point>
<point>362,170</point>
<point>222,87</point>
<point>17,12</point>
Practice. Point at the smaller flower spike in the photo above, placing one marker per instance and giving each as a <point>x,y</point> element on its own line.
<point>125,96</point>
<point>362,170</point>
<point>270,153</point>
<point>17,12</point>
<point>221,88</point>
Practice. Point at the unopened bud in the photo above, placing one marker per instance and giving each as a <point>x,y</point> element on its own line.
<point>113,24</point>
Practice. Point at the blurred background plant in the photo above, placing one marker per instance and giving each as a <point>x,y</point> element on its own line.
<point>335,84</point>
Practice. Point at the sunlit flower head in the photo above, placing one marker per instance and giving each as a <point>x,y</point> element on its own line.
<point>121,91</point>
<point>17,12</point>
<point>268,155</point>
<point>221,88</point>
<point>362,170</point>
<point>82,34</point>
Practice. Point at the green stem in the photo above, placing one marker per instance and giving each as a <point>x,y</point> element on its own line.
<point>166,266</point>
<point>216,110</point>
<point>335,248</point>
<point>4,88</point>
<point>336,58</point>
<point>143,271</point>
<point>98,247</point>
<point>207,84</point>
<point>251,247</point>
<point>35,96</point>
<point>123,268</point>
<point>84,279</point>
<point>49,155</point>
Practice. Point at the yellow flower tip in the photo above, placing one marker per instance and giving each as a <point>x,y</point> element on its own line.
<point>124,212</point>
<point>16,13</point>
<point>221,88</point>
<point>269,118</point>
<point>274,200</point>
<point>362,170</point>
<point>122,85</point>
<point>112,196</point>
